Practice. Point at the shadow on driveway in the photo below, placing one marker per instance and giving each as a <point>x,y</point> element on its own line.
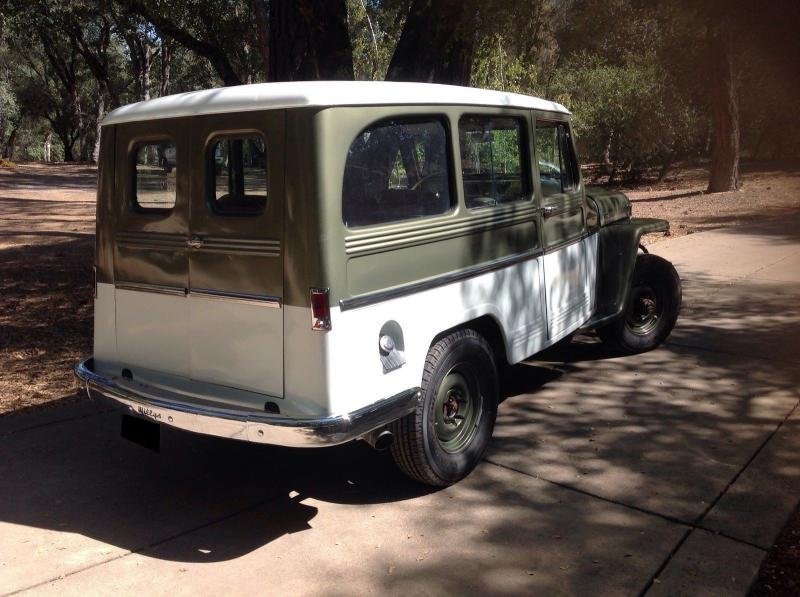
<point>666,432</point>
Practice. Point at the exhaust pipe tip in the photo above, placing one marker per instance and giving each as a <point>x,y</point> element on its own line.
<point>384,440</point>
<point>380,440</point>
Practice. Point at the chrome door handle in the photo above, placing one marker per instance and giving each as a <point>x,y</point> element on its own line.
<point>194,242</point>
<point>550,210</point>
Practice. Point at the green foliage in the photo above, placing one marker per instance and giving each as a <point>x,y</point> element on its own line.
<point>626,114</point>
<point>632,72</point>
<point>375,26</point>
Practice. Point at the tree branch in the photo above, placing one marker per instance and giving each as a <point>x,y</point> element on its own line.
<point>210,52</point>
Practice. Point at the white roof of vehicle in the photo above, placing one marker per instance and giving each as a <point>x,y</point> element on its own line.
<point>263,96</point>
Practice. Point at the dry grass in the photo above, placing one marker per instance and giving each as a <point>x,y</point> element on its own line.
<point>46,252</point>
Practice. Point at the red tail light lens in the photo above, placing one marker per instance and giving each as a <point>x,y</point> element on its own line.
<point>320,309</point>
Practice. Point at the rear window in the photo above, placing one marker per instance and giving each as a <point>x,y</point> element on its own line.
<point>237,170</point>
<point>492,158</point>
<point>397,170</point>
<point>155,167</point>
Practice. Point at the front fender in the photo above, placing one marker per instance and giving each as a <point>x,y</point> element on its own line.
<point>618,245</point>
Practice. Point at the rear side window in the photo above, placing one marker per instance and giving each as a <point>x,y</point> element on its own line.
<point>155,166</point>
<point>492,158</point>
<point>397,170</point>
<point>237,174</point>
<point>558,168</point>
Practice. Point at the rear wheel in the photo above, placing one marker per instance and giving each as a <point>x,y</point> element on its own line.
<point>652,310</point>
<point>447,435</point>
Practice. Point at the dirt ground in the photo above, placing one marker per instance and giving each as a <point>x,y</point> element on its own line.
<point>766,191</point>
<point>46,252</point>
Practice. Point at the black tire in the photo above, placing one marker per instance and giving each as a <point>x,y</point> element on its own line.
<point>652,310</point>
<point>423,447</point>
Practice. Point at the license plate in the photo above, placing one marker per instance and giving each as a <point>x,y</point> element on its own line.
<point>140,431</point>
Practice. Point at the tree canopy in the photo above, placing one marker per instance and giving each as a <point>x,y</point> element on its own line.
<point>648,83</point>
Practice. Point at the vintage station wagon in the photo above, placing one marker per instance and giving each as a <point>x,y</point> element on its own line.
<point>306,264</point>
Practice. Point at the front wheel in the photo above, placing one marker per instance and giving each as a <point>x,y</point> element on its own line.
<point>447,435</point>
<point>652,310</point>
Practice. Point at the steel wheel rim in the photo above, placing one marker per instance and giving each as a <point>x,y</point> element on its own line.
<point>457,409</point>
<point>644,310</point>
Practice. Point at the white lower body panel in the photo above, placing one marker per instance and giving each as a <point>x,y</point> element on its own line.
<point>196,340</point>
<point>152,331</point>
<point>340,371</point>
<point>570,275</point>
<point>237,344</point>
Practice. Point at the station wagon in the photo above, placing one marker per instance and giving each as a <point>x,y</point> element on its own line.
<point>307,264</point>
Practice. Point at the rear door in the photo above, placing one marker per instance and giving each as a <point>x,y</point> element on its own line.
<point>151,267</point>
<point>568,296</point>
<point>235,267</point>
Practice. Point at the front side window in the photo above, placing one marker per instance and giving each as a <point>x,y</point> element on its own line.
<point>155,168</point>
<point>397,170</point>
<point>237,169</point>
<point>492,153</point>
<point>558,168</point>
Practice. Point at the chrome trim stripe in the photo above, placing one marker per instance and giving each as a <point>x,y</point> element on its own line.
<point>155,288</point>
<point>150,240</point>
<point>177,410</point>
<point>162,241</point>
<point>242,246</point>
<point>384,295</point>
<point>263,300</point>
<point>374,241</point>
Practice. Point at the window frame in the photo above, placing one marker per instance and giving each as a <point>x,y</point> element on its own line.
<point>133,175</point>
<point>572,156</point>
<point>211,200</point>
<point>525,162</point>
<point>405,119</point>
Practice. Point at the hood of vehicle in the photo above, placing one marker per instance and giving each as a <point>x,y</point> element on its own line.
<point>612,205</point>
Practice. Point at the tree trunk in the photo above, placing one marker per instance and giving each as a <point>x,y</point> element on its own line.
<point>166,27</point>
<point>48,144</point>
<point>166,66</point>
<point>79,132</point>
<point>101,112</point>
<point>607,150</point>
<point>69,156</point>
<point>665,166</point>
<point>309,40</point>
<point>147,65</point>
<point>725,150</point>
<point>437,44</point>
<point>612,175</point>
<point>262,29</point>
<point>11,142</point>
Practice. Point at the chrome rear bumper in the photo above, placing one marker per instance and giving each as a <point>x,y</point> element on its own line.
<point>182,412</point>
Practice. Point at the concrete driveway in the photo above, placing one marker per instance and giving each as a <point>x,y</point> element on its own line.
<point>666,473</point>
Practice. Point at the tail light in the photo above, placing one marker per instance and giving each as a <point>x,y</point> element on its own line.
<point>320,309</point>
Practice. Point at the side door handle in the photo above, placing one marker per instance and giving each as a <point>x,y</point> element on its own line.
<point>194,242</point>
<point>550,210</point>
